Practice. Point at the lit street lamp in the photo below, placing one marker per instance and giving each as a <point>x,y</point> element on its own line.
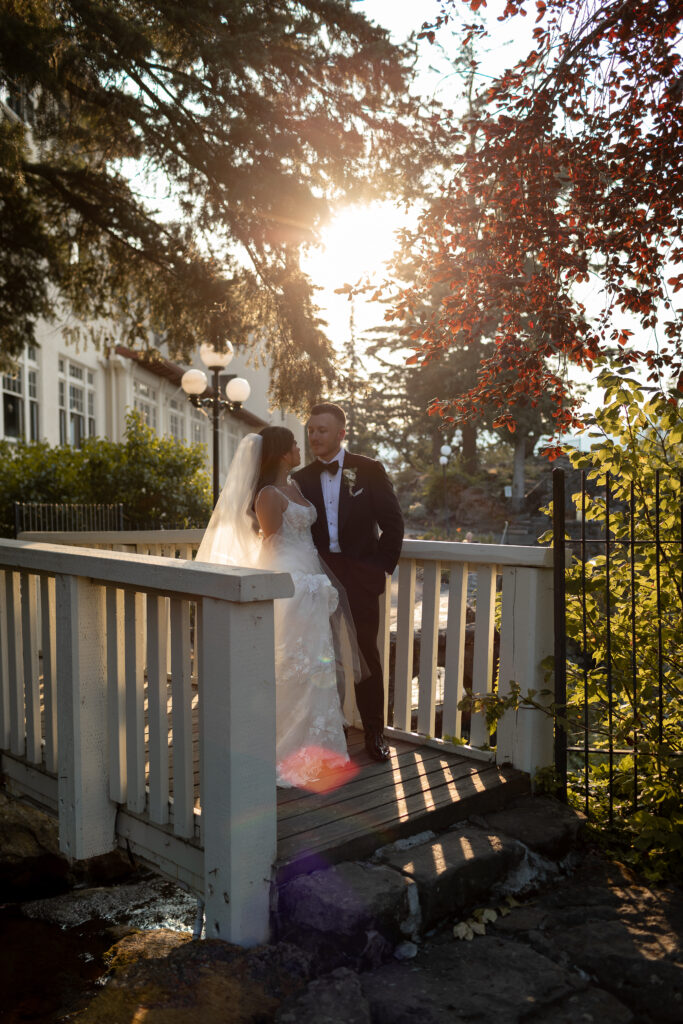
<point>194,383</point>
<point>443,459</point>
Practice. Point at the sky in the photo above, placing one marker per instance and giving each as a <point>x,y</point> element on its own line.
<point>360,239</point>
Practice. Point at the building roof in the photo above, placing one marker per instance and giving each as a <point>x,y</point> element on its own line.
<point>155,363</point>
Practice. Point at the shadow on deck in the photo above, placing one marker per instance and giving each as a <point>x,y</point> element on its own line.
<point>420,788</point>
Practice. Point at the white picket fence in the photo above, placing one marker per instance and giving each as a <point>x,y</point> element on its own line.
<point>145,643</point>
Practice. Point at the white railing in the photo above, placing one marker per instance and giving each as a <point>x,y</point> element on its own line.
<point>483,597</point>
<point>109,662</point>
<point>125,671</point>
<point>509,592</point>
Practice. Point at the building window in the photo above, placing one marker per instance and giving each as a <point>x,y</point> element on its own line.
<point>20,414</point>
<point>145,401</point>
<point>13,404</point>
<point>176,419</point>
<point>76,404</point>
<point>197,426</point>
<point>33,417</point>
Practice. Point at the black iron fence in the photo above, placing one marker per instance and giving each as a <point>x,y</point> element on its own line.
<point>35,516</point>
<point>618,546</point>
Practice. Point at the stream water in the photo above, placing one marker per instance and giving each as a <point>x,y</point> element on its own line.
<point>52,950</point>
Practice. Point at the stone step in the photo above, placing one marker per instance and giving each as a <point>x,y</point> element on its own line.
<point>355,913</point>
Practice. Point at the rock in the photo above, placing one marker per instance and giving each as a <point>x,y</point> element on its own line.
<point>210,982</point>
<point>456,869</point>
<point>336,998</point>
<point>144,946</point>
<point>610,952</point>
<point>147,903</point>
<point>406,951</point>
<point>488,979</point>
<point>31,864</point>
<point>30,861</point>
<point>348,915</point>
<point>546,826</point>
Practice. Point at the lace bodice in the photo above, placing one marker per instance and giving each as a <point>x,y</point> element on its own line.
<point>297,519</point>
<point>292,548</point>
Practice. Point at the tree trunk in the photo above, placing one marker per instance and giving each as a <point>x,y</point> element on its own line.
<point>470,459</point>
<point>518,472</point>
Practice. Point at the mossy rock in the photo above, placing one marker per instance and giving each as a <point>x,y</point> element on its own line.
<point>164,977</point>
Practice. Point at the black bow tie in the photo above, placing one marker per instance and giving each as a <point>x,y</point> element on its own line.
<point>329,467</point>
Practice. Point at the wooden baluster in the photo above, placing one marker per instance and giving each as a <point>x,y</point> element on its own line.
<point>157,709</point>
<point>431,593</point>
<point>181,688</point>
<point>383,642</point>
<point>15,664</point>
<point>135,697</point>
<point>86,814</point>
<point>29,587</point>
<point>482,668</point>
<point>455,651</point>
<point>49,643</point>
<point>403,679</point>
<point>116,694</point>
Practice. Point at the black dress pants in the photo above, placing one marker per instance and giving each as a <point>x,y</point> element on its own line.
<point>363,584</point>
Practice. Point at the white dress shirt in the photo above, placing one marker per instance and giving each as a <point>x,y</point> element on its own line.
<point>331,486</point>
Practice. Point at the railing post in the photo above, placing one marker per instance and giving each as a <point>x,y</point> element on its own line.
<point>86,814</point>
<point>525,736</point>
<point>238,794</point>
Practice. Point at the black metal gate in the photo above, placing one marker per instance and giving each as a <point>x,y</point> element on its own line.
<point>618,553</point>
<point>39,517</point>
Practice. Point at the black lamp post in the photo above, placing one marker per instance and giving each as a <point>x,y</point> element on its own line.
<point>194,383</point>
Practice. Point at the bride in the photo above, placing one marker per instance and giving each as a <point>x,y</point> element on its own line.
<point>262,520</point>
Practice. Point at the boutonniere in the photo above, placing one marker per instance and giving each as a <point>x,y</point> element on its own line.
<point>349,477</point>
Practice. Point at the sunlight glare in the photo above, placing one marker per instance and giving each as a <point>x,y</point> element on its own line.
<point>355,244</point>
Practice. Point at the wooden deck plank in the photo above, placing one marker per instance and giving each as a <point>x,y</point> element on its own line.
<point>367,774</point>
<point>410,768</point>
<point>340,841</point>
<point>413,780</point>
<point>417,796</point>
<point>421,788</point>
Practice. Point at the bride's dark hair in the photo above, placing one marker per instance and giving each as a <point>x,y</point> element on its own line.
<point>277,441</point>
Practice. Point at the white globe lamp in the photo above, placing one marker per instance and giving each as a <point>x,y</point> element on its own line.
<point>443,459</point>
<point>238,390</point>
<point>446,449</point>
<point>212,357</point>
<point>194,382</point>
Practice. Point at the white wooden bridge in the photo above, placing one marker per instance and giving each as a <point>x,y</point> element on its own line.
<point>137,703</point>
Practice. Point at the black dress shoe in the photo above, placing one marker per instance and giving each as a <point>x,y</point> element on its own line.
<point>376,745</point>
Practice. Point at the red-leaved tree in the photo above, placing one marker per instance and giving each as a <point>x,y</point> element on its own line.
<point>570,173</point>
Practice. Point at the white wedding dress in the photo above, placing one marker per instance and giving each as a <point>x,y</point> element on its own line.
<point>310,723</point>
<point>315,644</point>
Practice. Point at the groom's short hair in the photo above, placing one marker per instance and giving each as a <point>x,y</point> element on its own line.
<point>332,409</point>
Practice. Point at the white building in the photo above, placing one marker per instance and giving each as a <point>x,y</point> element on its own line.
<point>63,393</point>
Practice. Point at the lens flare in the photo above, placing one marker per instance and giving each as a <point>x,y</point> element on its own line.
<point>329,770</point>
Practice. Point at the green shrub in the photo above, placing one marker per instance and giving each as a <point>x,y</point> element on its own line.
<point>159,480</point>
<point>632,439</point>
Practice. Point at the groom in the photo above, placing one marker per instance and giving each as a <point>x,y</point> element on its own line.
<point>358,533</point>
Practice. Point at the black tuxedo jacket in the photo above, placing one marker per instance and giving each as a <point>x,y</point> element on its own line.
<point>370,519</point>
